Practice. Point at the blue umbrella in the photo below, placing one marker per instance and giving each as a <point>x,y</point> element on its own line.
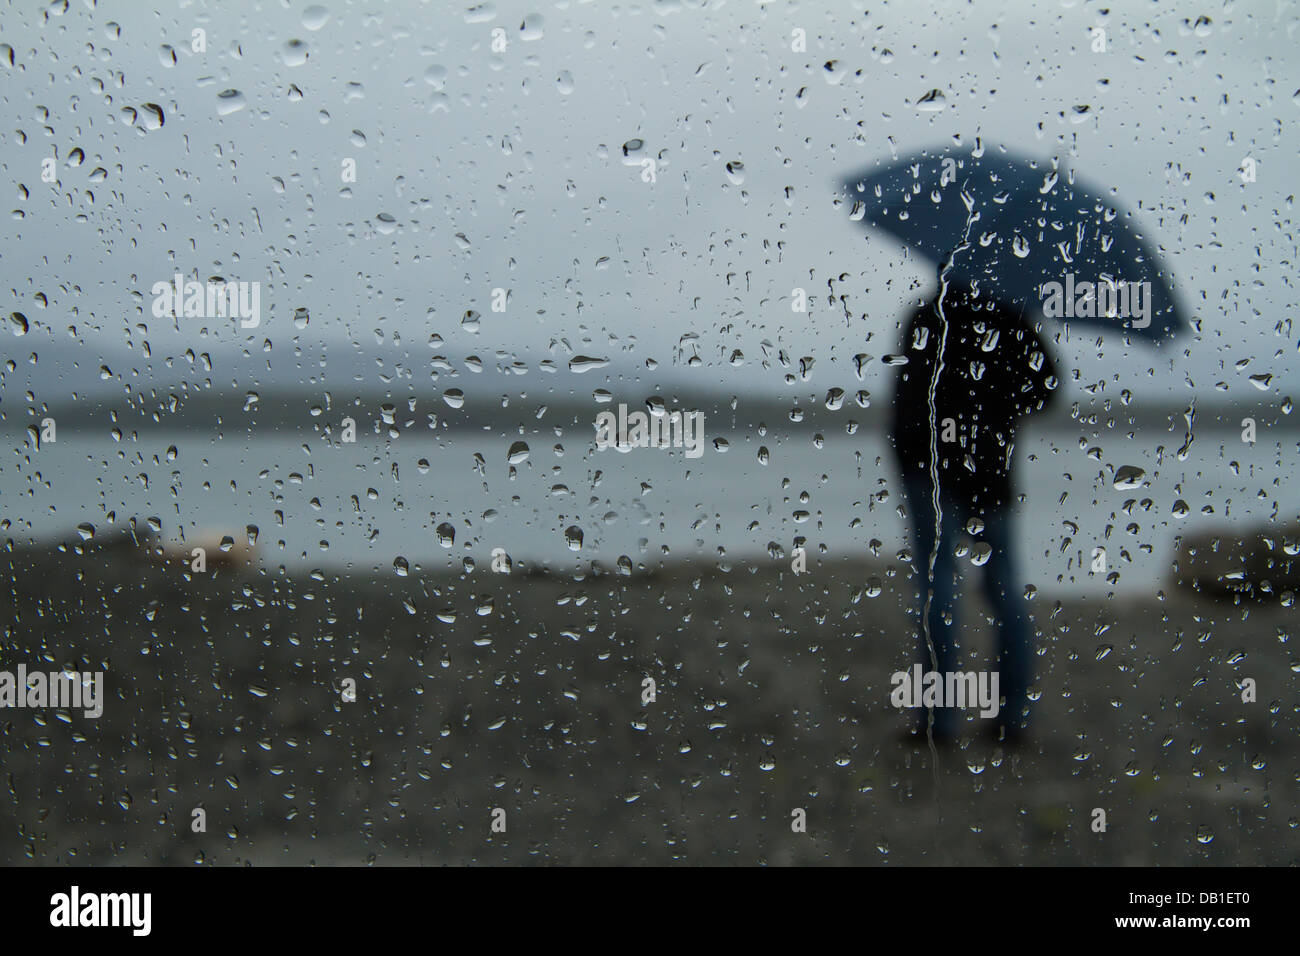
<point>1026,233</point>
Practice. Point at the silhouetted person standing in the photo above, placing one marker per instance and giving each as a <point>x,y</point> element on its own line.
<point>995,371</point>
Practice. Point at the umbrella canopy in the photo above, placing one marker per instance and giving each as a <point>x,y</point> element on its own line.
<point>1029,234</point>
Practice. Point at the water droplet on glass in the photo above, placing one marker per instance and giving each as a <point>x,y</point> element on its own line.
<point>585,363</point>
<point>1129,476</point>
<point>532,27</point>
<point>294,53</point>
<point>573,537</point>
<point>230,101</point>
<point>315,17</point>
<point>932,102</point>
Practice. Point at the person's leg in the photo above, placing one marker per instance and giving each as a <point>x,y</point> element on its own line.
<point>940,651</point>
<point>1004,592</point>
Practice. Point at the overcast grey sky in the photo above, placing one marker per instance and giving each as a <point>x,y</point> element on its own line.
<point>506,169</point>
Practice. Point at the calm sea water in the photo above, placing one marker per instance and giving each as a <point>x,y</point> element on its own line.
<point>364,505</point>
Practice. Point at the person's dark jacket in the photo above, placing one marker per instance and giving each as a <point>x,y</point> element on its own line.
<point>996,371</point>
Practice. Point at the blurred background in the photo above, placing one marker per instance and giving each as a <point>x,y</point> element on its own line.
<point>647,193</point>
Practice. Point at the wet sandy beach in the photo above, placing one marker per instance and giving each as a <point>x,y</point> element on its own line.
<point>525,693</point>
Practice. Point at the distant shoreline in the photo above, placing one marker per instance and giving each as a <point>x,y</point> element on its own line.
<point>307,412</point>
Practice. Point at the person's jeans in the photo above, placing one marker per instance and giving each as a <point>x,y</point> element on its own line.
<point>1001,586</point>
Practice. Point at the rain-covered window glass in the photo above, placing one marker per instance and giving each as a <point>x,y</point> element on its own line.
<point>647,432</point>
